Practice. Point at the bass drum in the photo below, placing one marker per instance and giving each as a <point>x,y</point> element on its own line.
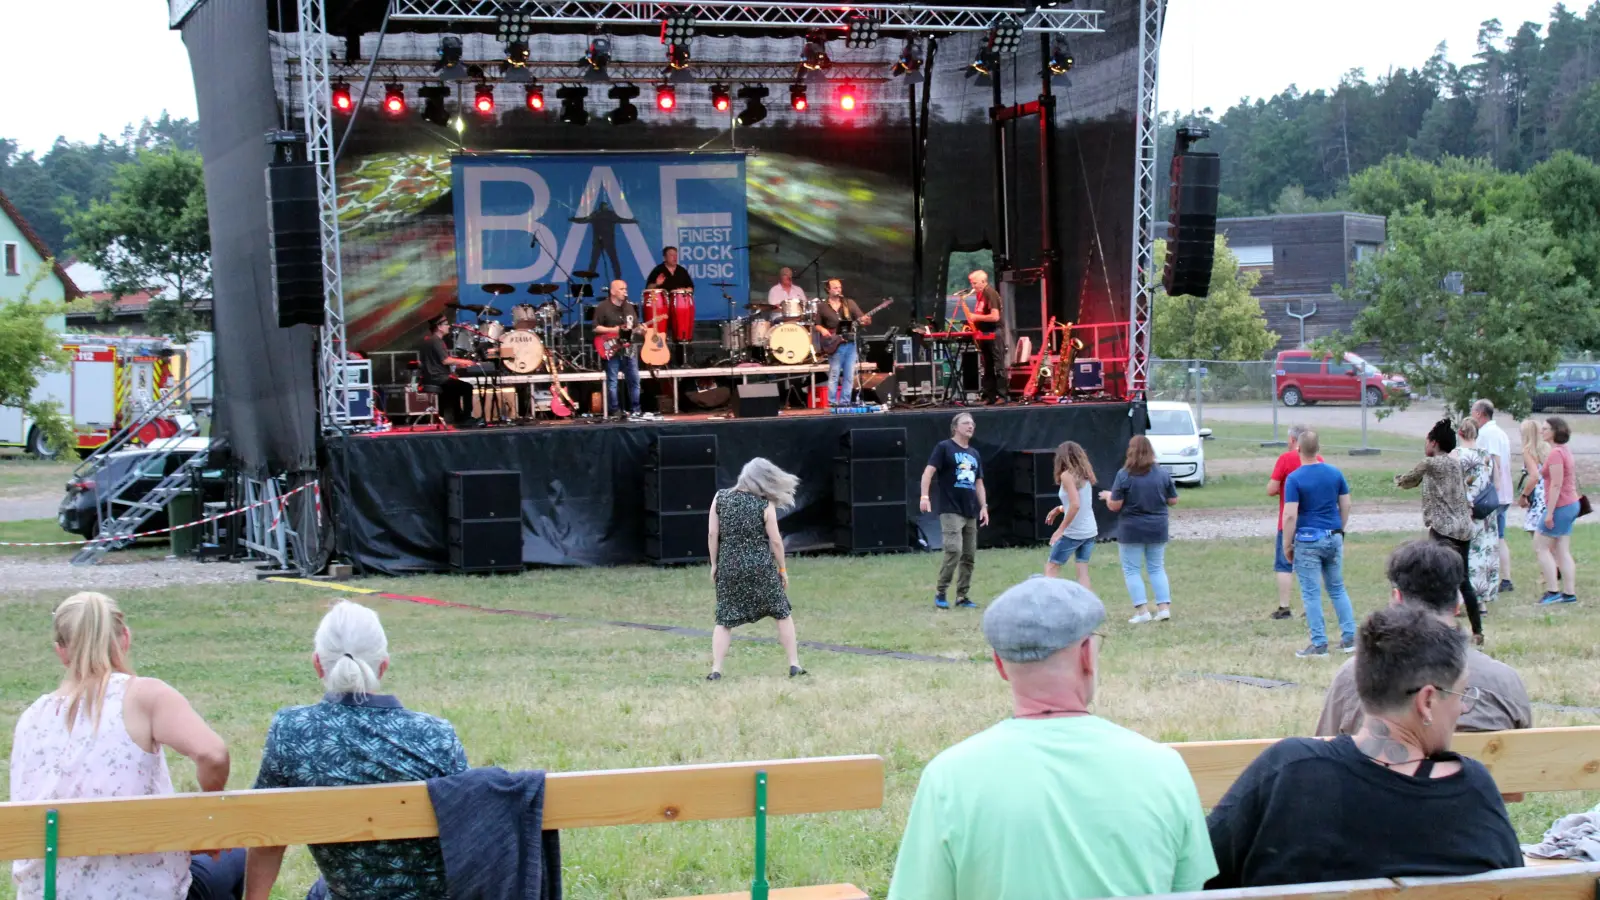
<point>521,352</point>
<point>790,344</point>
<point>680,320</point>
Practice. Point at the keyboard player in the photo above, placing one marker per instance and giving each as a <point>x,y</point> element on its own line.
<point>455,395</point>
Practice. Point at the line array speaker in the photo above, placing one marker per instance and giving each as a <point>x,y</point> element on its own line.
<point>483,522</point>
<point>868,527</point>
<point>858,481</point>
<point>1196,180</point>
<point>294,229</point>
<point>680,483</point>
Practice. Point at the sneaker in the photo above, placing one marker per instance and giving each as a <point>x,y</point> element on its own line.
<point>940,602</point>
<point>1347,645</point>
<point>964,603</point>
<point>1568,598</point>
<point>1282,612</point>
<point>1554,597</point>
<point>796,672</point>
<point>1140,619</point>
<point>1164,614</point>
<point>1505,585</point>
<point>1313,650</point>
<point>714,676</point>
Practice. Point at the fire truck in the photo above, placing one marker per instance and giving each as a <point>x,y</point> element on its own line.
<point>108,383</point>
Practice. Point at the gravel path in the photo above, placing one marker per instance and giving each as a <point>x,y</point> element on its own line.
<point>111,573</point>
<point>30,506</point>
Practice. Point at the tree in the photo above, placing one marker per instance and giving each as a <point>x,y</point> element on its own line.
<point>29,347</point>
<point>1227,324</point>
<point>1516,308</point>
<point>151,235</point>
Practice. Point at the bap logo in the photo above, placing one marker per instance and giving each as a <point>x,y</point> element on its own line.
<point>532,219</point>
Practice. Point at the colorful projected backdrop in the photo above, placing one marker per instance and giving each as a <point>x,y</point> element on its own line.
<point>523,220</point>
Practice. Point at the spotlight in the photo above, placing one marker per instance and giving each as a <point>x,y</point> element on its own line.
<point>596,60</point>
<point>535,98</point>
<point>1005,35</point>
<point>910,61</point>
<point>861,31</point>
<point>341,99</point>
<point>572,111</point>
<point>848,97</point>
<point>815,57</point>
<point>1061,59</point>
<point>754,110</point>
<point>676,30</point>
<point>449,65</point>
<point>517,54</point>
<point>625,113</point>
<point>983,67</point>
<point>515,27</point>
<point>678,57</point>
<point>433,97</point>
<point>720,98</point>
<point>483,99</point>
<point>666,97</point>
<point>797,98</point>
<point>394,99</point>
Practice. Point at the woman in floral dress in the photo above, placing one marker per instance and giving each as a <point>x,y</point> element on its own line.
<point>1483,556</point>
<point>747,560</point>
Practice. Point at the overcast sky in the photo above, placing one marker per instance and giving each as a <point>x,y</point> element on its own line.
<point>80,68</point>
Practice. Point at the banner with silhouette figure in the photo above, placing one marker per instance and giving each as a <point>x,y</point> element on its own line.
<point>542,219</point>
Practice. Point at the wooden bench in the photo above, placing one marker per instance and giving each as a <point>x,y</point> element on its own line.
<point>1574,881</point>
<point>274,818</point>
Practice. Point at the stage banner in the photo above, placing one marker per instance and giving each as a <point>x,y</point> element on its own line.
<point>538,218</point>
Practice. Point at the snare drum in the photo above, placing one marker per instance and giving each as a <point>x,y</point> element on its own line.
<point>733,336</point>
<point>756,330</point>
<point>462,342</point>
<point>522,352</point>
<point>790,343</point>
<point>493,330</point>
<point>524,317</point>
<point>680,320</point>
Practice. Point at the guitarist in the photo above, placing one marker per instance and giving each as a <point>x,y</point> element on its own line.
<point>616,318</point>
<point>837,320</point>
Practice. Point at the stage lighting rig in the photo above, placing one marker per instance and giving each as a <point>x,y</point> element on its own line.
<point>483,99</point>
<point>721,99</point>
<point>815,56</point>
<point>754,109</point>
<point>849,98</point>
<point>678,57</point>
<point>341,99</point>
<point>1005,35</point>
<point>861,30</point>
<point>797,98</point>
<point>572,111</point>
<point>433,110</point>
<point>910,61</point>
<point>595,61</point>
<point>394,99</point>
<point>983,67</point>
<point>449,65</point>
<point>535,97</point>
<point>666,97</point>
<point>676,30</point>
<point>514,27</point>
<point>1061,59</point>
<point>625,113</point>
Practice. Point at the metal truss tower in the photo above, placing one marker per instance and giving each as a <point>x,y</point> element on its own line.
<point>1146,126</point>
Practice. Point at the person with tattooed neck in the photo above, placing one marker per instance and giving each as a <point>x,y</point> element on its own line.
<point>1423,575</point>
<point>1388,802</point>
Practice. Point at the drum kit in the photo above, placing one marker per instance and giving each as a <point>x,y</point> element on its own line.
<point>759,336</point>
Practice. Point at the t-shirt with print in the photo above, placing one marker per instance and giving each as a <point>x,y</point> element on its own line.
<point>346,740</point>
<point>1317,489</point>
<point>1065,809</point>
<point>958,470</point>
<point>1281,470</point>
<point>610,315</point>
<point>1143,517</point>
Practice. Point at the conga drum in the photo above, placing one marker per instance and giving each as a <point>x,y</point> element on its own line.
<point>680,321</point>
<point>657,307</point>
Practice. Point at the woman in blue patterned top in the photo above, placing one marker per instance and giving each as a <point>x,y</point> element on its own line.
<point>356,735</point>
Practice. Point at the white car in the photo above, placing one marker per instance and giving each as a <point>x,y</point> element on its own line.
<point>1180,447</point>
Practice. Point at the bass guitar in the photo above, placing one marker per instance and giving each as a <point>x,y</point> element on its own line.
<point>560,401</point>
<point>655,352</point>
<point>847,328</point>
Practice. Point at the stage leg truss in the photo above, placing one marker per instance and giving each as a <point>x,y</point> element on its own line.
<point>1141,283</point>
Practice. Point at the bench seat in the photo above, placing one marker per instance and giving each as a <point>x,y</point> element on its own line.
<point>819,892</point>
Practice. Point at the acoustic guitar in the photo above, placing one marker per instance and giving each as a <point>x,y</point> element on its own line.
<point>847,327</point>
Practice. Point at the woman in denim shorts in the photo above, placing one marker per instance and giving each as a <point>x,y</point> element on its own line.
<point>1074,539</point>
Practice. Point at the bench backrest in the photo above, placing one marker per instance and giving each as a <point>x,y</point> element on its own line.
<point>1577,881</point>
<point>272,818</point>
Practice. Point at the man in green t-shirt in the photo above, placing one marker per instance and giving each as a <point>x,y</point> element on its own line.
<point>1054,802</point>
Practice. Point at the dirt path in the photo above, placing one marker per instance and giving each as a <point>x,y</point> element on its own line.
<point>30,506</point>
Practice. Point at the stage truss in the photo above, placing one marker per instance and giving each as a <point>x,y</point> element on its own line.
<point>316,77</point>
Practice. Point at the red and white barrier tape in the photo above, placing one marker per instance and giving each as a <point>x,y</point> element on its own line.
<point>282,502</point>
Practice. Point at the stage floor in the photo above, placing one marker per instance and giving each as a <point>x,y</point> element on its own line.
<point>583,487</point>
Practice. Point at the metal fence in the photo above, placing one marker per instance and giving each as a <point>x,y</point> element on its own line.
<point>1201,381</point>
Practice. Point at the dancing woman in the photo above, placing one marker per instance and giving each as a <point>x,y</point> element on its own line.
<point>747,559</point>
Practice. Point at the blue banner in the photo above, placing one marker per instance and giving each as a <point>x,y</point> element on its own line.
<point>533,219</point>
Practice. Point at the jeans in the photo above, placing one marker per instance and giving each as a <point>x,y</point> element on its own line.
<point>1318,564</point>
<point>1154,557</point>
<point>960,548</point>
<point>842,374</point>
<point>629,364</point>
<point>1069,548</point>
<point>217,879</point>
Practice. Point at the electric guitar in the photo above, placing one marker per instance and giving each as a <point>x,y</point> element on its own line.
<point>655,346</point>
<point>560,401</point>
<point>847,327</point>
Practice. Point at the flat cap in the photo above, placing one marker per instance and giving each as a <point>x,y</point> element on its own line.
<point>1040,616</point>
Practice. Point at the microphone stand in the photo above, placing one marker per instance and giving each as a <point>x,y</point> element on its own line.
<point>555,259</point>
<point>816,259</point>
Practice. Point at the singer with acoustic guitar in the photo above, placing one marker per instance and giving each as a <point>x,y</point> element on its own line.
<point>614,316</point>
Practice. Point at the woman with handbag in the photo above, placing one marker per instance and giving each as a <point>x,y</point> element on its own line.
<point>1552,543</point>
<point>1483,552</point>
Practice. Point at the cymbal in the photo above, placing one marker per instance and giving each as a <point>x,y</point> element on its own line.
<point>585,275</point>
<point>759,307</point>
<point>723,284</point>
<point>474,307</point>
<point>499,290</point>
<point>543,288</point>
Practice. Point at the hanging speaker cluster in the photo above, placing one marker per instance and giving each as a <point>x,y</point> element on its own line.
<point>1196,179</point>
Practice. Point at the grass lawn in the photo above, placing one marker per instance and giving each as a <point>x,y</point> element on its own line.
<point>22,475</point>
<point>1242,440</point>
<point>1248,491</point>
<point>525,693</point>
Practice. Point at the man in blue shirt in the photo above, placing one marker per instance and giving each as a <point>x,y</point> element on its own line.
<point>1316,506</point>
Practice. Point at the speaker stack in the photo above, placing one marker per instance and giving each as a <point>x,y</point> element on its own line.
<point>869,491</point>
<point>484,524</point>
<point>1034,493</point>
<point>680,481</point>
<point>294,226</point>
<point>1196,180</point>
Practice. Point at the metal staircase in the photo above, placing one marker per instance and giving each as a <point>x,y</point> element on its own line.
<point>121,514</point>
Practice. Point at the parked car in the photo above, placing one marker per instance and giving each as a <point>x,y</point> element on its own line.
<point>1303,377</point>
<point>80,508</point>
<point>1179,445</point>
<point>1574,386</point>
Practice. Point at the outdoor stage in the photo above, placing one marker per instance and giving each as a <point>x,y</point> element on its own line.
<point>583,486</point>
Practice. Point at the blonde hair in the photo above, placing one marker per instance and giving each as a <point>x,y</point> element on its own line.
<point>760,477</point>
<point>352,647</point>
<point>90,629</point>
<point>1071,457</point>
<point>956,422</point>
<point>1531,439</point>
<point>1467,429</point>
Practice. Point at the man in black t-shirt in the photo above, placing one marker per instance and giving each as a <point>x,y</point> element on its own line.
<point>455,395</point>
<point>985,317</point>
<point>616,318</point>
<point>669,276</point>
<point>963,506</point>
<point>837,319</point>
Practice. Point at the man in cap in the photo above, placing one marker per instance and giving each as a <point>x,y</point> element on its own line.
<point>1055,801</point>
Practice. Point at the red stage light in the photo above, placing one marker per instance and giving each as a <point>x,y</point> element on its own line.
<point>797,98</point>
<point>342,101</point>
<point>394,100</point>
<point>666,97</point>
<point>720,98</point>
<point>484,101</point>
<point>847,98</point>
<point>535,98</point>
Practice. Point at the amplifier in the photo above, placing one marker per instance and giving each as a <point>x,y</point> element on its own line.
<point>915,378</point>
<point>1088,375</point>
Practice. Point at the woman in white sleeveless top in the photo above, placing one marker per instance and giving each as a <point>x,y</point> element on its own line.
<point>101,734</point>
